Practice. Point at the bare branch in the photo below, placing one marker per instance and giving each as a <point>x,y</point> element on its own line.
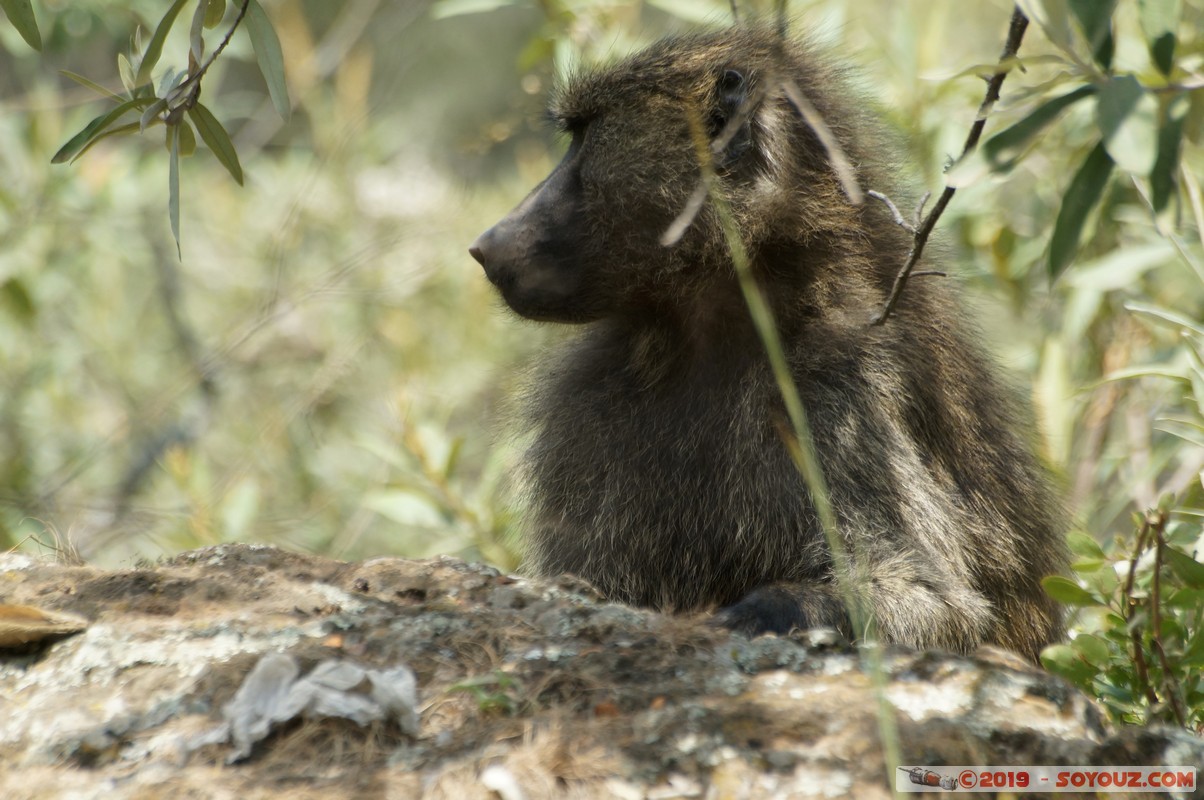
<point>190,88</point>
<point>735,11</point>
<point>1016,31</point>
<point>894,211</point>
<point>1169,685</point>
<point>920,207</point>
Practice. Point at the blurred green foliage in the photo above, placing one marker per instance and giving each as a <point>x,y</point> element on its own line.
<point>323,367</point>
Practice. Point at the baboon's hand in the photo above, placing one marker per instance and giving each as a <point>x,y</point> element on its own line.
<point>779,608</point>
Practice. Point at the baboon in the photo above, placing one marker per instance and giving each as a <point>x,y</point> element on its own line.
<point>658,467</point>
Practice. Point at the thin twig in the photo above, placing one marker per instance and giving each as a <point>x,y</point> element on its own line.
<point>1168,675</point>
<point>190,87</point>
<point>1130,611</point>
<point>1016,30</point>
<point>894,211</point>
<point>782,19</point>
<point>735,11</point>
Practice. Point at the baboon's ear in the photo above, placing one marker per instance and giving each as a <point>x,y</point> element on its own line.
<point>731,98</point>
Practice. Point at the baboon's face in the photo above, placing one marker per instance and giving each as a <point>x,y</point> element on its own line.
<point>586,242</point>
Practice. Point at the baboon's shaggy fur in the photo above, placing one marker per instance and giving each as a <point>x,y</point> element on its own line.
<point>658,469</point>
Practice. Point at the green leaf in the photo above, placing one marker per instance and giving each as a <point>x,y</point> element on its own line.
<point>1095,17</point>
<point>20,14</point>
<point>1083,194</point>
<point>454,8</point>
<point>1187,568</point>
<point>1064,590</point>
<point>96,87</point>
<point>187,139</point>
<point>1152,371</point>
<point>269,56</point>
<point>155,48</point>
<point>1094,650</point>
<point>173,184</point>
<point>216,139</point>
<point>1127,116</point>
<point>18,300</point>
<point>151,114</point>
<point>76,144</point>
<point>1051,16</point>
<point>690,10</point>
<point>539,50</point>
<point>1164,175</point>
<point>1160,22</point>
<point>1186,598</point>
<point>239,508</point>
<point>170,80</point>
<point>1193,127</point>
<point>1120,268</point>
<point>408,507</point>
<point>1083,544</point>
<point>196,38</point>
<point>1174,318</point>
<point>1061,659</point>
<point>1193,655</point>
<point>1103,581</point>
<point>453,457</point>
<point>214,13</point>
<point>120,130</point>
<point>1003,149</point>
<point>1195,376</point>
<point>126,72</point>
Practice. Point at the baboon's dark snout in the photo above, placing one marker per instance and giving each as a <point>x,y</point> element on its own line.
<point>475,252</point>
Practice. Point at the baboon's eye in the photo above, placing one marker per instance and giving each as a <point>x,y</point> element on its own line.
<point>731,82</point>
<point>732,91</point>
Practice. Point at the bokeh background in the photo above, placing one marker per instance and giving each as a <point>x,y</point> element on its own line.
<point>326,369</point>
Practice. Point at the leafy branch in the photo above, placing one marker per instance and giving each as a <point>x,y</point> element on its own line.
<point>924,228</point>
<point>175,102</point>
<point>1143,658</point>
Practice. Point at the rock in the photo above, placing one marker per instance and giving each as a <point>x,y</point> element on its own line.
<point>525,689</point>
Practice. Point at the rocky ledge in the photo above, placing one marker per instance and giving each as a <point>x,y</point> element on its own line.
<point>244,671</point>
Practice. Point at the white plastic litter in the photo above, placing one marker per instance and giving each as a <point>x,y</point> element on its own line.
<point>272,693</point>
